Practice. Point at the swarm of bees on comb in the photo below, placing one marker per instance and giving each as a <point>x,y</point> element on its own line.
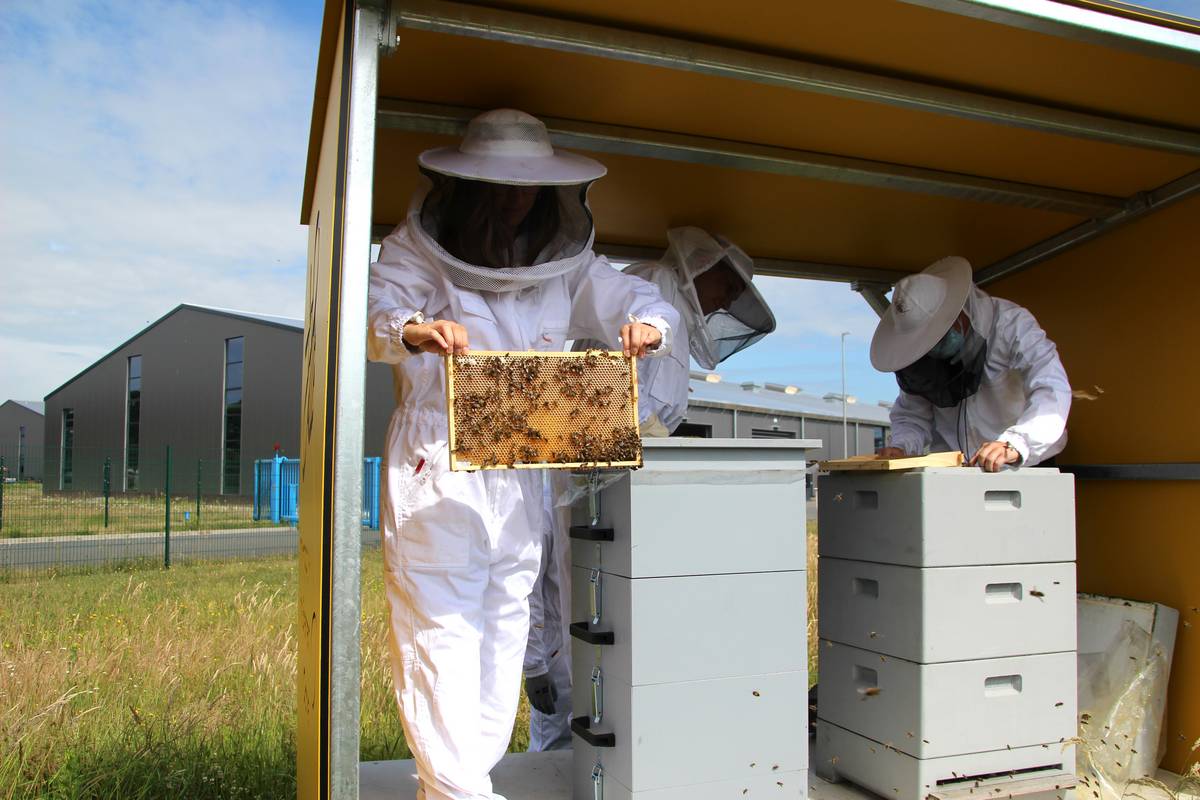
<point>513,410</point>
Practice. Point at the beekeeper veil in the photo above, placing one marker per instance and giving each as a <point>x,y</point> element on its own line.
<point>934,336</point>
<point>742,316</point>
<point>503,210</point>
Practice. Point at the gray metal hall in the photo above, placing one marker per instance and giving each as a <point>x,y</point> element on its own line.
<point>222,389</point>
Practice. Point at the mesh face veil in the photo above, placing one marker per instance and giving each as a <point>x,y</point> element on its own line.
<point>954,367</point>
<point>746,318</point>
<point>436,218</point>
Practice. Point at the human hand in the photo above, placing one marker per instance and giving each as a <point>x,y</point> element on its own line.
<point>891,452</point>
<point>541,693</point>
<point>638,337</point>
<point>994,455</point>
<point>441,336</point>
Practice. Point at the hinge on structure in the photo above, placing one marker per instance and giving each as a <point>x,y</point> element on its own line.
<point>875,294</point>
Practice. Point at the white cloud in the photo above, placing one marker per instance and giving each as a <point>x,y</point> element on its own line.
<point>154,155</point>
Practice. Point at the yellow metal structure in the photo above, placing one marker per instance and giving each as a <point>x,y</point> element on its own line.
<point>1059,152</point>
<point>530,410</point>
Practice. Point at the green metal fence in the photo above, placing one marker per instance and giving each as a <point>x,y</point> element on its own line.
<point>169,509</point>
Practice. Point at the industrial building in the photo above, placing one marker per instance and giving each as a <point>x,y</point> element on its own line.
<point>21,434</point>
<point>222,388</point>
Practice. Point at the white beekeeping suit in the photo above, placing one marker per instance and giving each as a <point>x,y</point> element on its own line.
<point>976,373</point>
<point>462,549</point>
<point>707,280</point>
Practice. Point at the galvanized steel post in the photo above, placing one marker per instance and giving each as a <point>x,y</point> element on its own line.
<point>107,486</point>
<point>167,512</point>
<point>199,472</point>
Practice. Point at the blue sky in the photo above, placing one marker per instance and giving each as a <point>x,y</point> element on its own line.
<point>154,154</point>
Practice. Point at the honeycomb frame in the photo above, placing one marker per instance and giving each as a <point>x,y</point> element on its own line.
<point>534,409</point>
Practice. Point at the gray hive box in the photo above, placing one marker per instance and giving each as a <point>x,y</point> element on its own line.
<point>689,628</point>
<point>947,619</point>
<point>948,517</point>
<point>948,613</point>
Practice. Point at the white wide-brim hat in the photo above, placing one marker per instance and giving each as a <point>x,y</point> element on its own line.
<point>923,308</point>
<point>510,147</point>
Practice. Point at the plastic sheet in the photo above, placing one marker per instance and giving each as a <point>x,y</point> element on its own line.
<point>1122,695</point>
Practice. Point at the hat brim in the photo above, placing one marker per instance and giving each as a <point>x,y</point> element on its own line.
<point>893,350</point>
<point>560,169</point>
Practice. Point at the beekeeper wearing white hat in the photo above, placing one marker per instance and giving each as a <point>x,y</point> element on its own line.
<point>496,254</point>
<point>708,280</point>
<point>976,373</point>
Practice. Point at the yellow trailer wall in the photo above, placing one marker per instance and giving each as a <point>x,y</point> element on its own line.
<point>1123,311</point>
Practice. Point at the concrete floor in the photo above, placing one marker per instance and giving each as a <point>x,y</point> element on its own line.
<point>533,776</point>
<point>547,776</point>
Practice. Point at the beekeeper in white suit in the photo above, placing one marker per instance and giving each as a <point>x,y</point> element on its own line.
<point>496,254</point>
<point>708,280</point>
<point>976,373</point>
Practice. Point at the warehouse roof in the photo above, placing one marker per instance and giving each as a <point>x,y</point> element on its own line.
<point>291,323</point>
<point>36,406</point>
<point>778,399</point>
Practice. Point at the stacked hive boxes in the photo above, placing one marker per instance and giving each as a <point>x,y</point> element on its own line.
<point>689,638</point>
<point>947,625</point>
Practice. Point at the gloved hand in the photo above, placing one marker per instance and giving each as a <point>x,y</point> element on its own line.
<point>541,693</point>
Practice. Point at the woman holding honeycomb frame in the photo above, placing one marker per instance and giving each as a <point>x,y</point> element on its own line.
<point>496,253</point>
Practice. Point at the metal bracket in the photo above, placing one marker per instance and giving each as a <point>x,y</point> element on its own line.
<point>598,782</point>
<point>597,696</point>
<point>593,492</point>
<point>389,32</point>
<point>875,294</point>
<point>595,596</point>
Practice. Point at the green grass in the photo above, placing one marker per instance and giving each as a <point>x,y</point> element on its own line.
<point>27,512</point>
<point>147,683</point>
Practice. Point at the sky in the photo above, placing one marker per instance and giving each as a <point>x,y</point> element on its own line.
<point>154,154</point>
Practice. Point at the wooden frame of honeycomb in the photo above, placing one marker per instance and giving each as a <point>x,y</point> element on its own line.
<point>536,410</point>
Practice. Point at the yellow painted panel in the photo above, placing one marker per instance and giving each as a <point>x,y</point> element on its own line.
<point>1141,540</point>
<point>910,41</point>
<point>316,428</point>
<point>441,68</point>
<point>1122,310</point>
<point>768,215</point>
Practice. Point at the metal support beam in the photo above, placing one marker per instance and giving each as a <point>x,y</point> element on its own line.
<point>774,267</point>
<point>452,120</point>
<point>1180,471</point>
<point>875,294</point>
<point>624,45</point>
<point>1139,206</point>
<point>1155,34</point>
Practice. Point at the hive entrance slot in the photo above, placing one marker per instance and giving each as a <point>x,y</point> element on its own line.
<point>1008,773</point>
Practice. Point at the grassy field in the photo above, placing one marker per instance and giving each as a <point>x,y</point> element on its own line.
<point>146,683</point>
<point>27,512</point>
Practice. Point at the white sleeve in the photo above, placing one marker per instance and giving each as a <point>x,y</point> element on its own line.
<point>603,299</point>
<point>912,423</point>
<point>1047,391</point>
<point>536,663</point>
<point>400,286</point>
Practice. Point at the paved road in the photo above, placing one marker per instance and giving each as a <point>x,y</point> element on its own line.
<point>65,551</point>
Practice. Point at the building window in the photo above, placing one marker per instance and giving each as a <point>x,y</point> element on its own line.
<point>693,429</point>
<point>231,457</point>
<point>763,433</point>
<point>133,420</point>
<point>21,452</point>
<point>68,447</point>
<point>880,438</point>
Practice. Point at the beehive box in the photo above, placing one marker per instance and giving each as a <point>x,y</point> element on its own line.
<point>531,410</point>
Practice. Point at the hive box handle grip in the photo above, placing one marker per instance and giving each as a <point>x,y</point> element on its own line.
<point>581,631</point>
<point>581,727</point>
<point>589,534</point>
